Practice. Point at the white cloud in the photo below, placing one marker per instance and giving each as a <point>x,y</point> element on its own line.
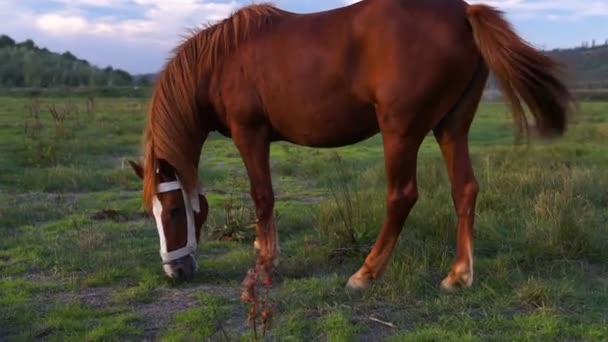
<point>103,28</point>
<point>60,24</point>
<point>550,8</point>
<point>163,21</point>
<point>96,3</point>
<point>160,21</point>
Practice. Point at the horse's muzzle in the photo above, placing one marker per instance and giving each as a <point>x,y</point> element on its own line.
<point>181,269</point>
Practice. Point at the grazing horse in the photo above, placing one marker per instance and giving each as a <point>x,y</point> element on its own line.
<point>401,68</point>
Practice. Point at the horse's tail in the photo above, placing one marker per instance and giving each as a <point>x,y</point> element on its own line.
<point>524,74</point>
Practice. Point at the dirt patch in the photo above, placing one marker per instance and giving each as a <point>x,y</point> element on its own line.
<point>96,298</point>
<point>157,315</point>
<point>93,297</point>
<point>375,331</point>
<point>379,322</point>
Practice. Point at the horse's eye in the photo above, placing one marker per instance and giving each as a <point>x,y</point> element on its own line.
<point>177,212</point>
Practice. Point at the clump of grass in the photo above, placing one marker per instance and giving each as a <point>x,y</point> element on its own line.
<point>311,293</point>
<point>294,325</point>
<point>336,327</point>
<point>142,292</point>
<point>306,257</point>
<point>557,214</point>
<point>120,327</point>
<point>349,220</point>
<point>229,266</point>
<point>550,295</point>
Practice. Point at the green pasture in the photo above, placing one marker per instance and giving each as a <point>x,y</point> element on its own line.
<point>79,258</point>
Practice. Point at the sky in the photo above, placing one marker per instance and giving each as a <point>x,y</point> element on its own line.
<point>138,35</point>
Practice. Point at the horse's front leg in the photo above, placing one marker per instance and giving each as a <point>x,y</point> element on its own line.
<point>254,147</point>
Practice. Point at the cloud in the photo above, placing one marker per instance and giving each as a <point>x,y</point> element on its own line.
<point>159,21</point>
<point>58,24</point>
<point>550,9</point>
<point>96,3</point>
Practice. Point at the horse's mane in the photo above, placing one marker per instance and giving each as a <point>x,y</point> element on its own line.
<point>174,132</point>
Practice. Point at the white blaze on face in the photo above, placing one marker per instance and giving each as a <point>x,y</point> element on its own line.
<point>157,210</point>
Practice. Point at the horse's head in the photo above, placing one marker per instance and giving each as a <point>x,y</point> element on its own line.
<point>179,217</point>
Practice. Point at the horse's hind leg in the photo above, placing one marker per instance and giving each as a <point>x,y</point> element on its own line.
<point>452,136</point>
<point>464,193</point>
<point>401,143</point>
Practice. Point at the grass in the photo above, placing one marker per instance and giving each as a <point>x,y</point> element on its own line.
<point>79,260</point>
<point>200,323</point>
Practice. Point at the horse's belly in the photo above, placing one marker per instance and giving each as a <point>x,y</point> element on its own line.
<point>332,126</point>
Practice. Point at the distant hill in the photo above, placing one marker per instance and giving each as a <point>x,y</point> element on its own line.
<point>26,65</point>
<point>585,70</point>
<point>587,67</point>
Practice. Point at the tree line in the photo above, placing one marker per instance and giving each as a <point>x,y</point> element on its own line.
<point>26,65</point>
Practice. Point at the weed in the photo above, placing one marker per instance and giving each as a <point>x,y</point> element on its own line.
<point>347,219</point>
<point>236,220</point>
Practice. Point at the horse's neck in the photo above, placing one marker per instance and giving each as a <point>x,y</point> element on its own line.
<point>209,105</point>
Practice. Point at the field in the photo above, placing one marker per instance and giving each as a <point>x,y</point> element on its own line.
<point>79,258</point>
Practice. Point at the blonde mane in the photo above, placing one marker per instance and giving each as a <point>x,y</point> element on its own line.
<point>174,132</point>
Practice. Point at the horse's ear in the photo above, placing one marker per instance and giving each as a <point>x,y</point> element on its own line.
<point>139,171</point>
<point>165,169</point>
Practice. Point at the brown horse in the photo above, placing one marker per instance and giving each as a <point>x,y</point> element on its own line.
<point>399,67</point>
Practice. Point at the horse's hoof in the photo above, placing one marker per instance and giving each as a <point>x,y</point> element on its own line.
<point>452,282</point>
<point>357,282</point>
<point>447,286</point>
